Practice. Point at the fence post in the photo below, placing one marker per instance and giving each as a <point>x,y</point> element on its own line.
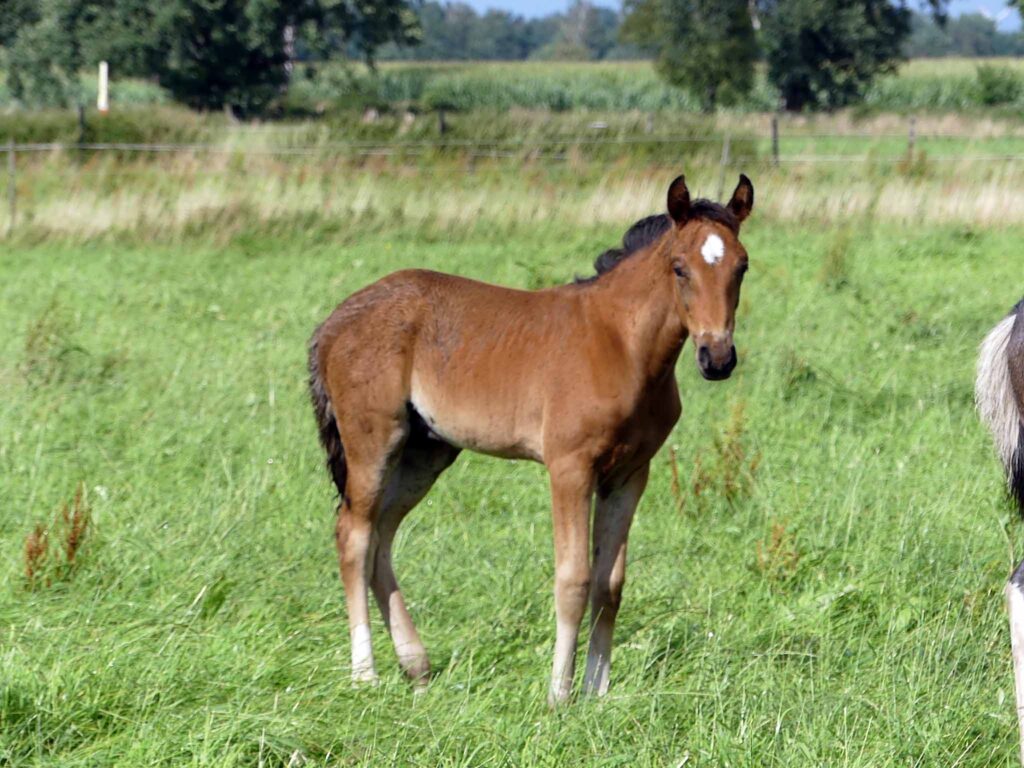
<point>649,123</point>
<point>103,93</point>
<point>726,146</point>
<point>775,140</point>
<point>911,137</point>
<point>12,190</point>
<point>81,124</point>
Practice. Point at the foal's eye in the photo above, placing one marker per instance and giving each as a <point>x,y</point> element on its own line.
<point>678,269</point>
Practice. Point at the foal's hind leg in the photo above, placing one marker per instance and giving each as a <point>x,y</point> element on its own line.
<point>371,455</point>
<point>612,518</point>
<point>423,460</point>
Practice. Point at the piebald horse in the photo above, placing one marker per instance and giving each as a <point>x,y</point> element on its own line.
<point>999,391</point>
<point>412,369</point>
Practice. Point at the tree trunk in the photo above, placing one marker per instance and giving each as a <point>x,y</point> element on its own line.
<point>289,54</point>
<point>795,98</point>
<point>710,99</point>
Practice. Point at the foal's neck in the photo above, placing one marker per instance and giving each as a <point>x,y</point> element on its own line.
<point>638,297</point>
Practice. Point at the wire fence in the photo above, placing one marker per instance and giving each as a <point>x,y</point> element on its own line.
<point>486,148</point>
<point>736,149</point>
<point>547,148</point>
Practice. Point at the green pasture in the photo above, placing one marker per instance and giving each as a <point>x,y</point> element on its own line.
<point>822,586</point>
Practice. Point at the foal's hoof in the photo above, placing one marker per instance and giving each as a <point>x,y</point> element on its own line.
<point>364,677</point>
<point>558,698</point>
<point>416,667</point>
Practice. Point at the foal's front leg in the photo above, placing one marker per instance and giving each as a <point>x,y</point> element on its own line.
<point>1015,606</point>
<point>612,518</point>
<point>571,490</point>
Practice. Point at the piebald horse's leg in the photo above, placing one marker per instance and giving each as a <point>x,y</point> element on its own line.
<point>1015,606</point>
<point>423,460</point>
<point>571,491</point>
<point>370,460</point>
<point>612,518</point>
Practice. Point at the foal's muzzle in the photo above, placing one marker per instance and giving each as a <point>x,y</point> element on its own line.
<point>716,364</point>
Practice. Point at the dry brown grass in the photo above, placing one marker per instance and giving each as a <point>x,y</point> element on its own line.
<point>973,180</point>
<point>727,471</point>
<point>262,195</point>
<point>677,486</point>
<point>69,529</point>
<point>777,556</point>
<point>37,545</point>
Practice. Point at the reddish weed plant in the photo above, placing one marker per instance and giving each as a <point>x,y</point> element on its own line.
<point>68,529</point>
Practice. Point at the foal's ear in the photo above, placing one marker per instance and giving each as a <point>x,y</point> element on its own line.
<point>742,199</point>
<point>679,200</point>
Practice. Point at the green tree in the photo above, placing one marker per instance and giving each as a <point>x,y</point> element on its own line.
<point>497,35</point>
<point>588,28</point>
<point>219,53</point>
<point>234,53</point>
<point>15,15</point>
<point>44,55</point>
<point>825,53</point>
<point>456,31</point>
<point>208,53</point>
<point>707,47</point>
<point>969,34</point>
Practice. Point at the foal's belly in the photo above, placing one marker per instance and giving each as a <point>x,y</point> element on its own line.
<point>493,424</point>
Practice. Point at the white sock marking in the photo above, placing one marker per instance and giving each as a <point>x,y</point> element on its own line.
<point>713,249</point>
<point>362,653</point>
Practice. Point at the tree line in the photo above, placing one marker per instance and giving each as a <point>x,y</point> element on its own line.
<point>455,31</point>
<point>969,35</point>
<point>240,54</point>
<point>820,54</point>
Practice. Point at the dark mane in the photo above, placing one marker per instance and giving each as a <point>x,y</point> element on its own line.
<point>646,231</point>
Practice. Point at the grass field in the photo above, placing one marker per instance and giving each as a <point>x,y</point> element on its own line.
<point>821,587</point>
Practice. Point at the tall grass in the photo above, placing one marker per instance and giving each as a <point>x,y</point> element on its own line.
<point>242,184</point>
<point>936,85</point>
<point>466,87</point>
<point>926,85</point>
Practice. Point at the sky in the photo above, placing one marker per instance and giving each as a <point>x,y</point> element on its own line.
<point>995,8</point>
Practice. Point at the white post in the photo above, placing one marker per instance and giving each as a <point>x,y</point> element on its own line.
<point>102,98</point>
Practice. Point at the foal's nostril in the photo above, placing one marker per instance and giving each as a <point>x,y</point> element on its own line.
<point>732,359</point>
<point>704,357</point>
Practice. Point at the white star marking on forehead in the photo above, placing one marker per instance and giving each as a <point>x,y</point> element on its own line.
<point>713,249</point>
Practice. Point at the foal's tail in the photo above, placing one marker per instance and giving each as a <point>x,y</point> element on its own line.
<point>325,421</point>
<point>999,393</point>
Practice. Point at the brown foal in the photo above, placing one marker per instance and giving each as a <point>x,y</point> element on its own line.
<point>412,369</point>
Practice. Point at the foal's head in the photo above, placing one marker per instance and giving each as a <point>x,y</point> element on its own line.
<point>707,263</point>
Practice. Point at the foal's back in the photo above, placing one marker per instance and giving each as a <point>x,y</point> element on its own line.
<point>473,360</point>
